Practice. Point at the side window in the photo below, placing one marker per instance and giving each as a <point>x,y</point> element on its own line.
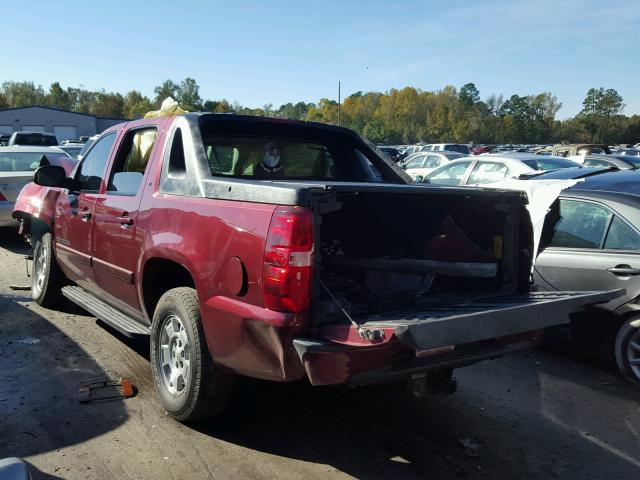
<point>415,162</point>
<point>91,171</point>
<point>596,163</point>
<point>487,172</point>
<point>177,163</point>
<point>450,174</point>
<point>621,236</point>
<point>131,161</point>
<point>581,225</point>
<point>433,161</point>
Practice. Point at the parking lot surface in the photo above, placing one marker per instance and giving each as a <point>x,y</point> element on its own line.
<point>532,415</point>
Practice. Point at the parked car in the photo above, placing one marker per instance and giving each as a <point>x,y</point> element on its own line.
<point>17,165</point>
<point>73,150</point>
<point>446,147</point>
<point>420,164</point>
<point>33,138</point>
<point>282,250</point>
<point>393,153</point>
<point>592,241</point>
<point>4,139</point>
<point>577,150</point>
<point>87,145</point>
<point>614,160</point>
<point>493,167</point>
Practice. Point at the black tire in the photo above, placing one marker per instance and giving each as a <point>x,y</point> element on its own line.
<point>200,390</point>
<point>628,349</point>
<point>46,279</point>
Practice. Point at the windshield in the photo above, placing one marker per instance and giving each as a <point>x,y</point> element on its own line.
<point>632,159</point>
<point>546,164</point>
<point>457,148</point>
<point>23,161</point>
<point>35,139</point>
<point>73,151</point>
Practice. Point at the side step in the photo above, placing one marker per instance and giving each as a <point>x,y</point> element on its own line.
<point>118,320</point>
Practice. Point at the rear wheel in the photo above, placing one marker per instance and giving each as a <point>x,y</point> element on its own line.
<point>628,349</point>
<point>47,278</point>
<point>188,383</point>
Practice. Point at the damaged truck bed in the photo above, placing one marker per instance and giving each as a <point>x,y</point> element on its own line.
<point>283,250</point>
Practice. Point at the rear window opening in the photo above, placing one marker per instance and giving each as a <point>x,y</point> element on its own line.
<point>256,149</point>
<point>429,251</point>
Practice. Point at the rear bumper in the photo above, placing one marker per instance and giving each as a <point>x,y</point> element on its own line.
<point>328,363</point>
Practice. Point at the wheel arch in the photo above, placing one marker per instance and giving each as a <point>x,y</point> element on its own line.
<point>159,275</point>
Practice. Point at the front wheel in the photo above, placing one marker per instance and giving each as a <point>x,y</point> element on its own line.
<point>628,349</point>
<point>47,278</point>
<point>188,383</point>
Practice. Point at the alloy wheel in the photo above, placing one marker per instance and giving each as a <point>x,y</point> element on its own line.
<point>174,355</point>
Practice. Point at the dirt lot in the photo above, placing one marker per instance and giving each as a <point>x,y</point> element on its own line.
<point>532,415</point>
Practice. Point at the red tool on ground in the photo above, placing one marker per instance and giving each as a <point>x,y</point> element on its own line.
<point>88,391</point>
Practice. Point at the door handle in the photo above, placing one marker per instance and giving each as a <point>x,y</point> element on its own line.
<point>624,270</point>
<point>85,216</point>
<point>125,219</point>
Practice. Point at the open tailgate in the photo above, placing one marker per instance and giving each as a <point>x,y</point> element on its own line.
<point>484,318</point>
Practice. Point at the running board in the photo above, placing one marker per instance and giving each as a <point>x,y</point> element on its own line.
<point>116,319</point>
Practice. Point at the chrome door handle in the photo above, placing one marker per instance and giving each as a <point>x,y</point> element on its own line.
<point>125,220</point>
<point>624,270</point>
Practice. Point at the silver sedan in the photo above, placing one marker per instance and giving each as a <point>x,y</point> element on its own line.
<point>17,165</point>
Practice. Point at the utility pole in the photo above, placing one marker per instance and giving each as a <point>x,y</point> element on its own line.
<point>338,102</point>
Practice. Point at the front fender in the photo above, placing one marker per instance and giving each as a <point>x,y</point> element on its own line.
<point>36,203</point>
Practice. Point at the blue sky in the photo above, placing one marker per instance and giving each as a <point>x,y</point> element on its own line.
<point>258,52</point>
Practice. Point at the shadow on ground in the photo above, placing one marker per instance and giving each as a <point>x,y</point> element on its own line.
<point>380,433</point>
<point>40,372</point>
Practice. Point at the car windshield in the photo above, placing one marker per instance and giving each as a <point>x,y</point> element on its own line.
<point>458,148</point>
<point>22,161</point>
<point>35,139</point>
<point>545,164</point>
<point>632,159</point>
<point>73,151</point>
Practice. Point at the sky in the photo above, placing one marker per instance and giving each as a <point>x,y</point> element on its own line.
<point>260,52</point>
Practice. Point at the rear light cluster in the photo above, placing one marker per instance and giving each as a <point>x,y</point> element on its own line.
<point>288,260</point>
<point>2,198</point>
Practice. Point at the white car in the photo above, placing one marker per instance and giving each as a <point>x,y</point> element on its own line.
<point>493,167</point>
<point>423,163</point>
<point>16,170</point>
<point>447,147</point>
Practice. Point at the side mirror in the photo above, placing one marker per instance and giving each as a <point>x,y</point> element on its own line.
<point>52,176</point>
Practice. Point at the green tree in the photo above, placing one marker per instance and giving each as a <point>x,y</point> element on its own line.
<point>188,95</point>
<point>58,97</point>
<point>599,108</point>
<point>167,89</point>
<point>136,105</point>
<point>22,94</point>
<point>107,104</point>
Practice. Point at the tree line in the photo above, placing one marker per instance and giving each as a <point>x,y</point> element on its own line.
<point>404,116</point>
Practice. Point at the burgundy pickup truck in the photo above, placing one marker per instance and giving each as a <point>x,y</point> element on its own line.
<point>283,250</point>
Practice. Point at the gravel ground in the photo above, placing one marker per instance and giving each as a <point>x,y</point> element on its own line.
<point>533,415</point>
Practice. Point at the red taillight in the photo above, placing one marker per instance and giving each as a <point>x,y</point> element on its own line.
<point>288,260</point>
<point>2,198</point>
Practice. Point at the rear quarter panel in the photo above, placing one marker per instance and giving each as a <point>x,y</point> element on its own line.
<point>207,236</point>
